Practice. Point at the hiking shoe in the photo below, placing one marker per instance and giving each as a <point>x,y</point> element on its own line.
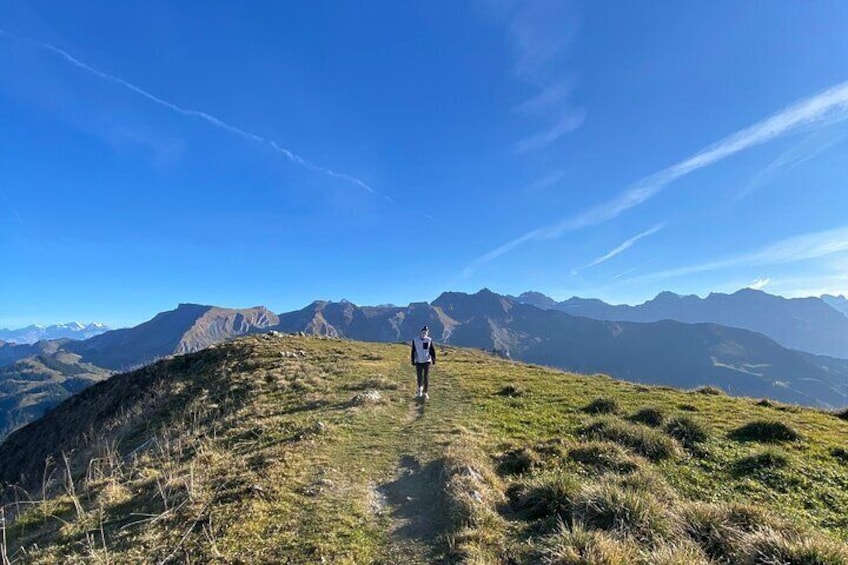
<point>419,393</point>
<point>426,396</point>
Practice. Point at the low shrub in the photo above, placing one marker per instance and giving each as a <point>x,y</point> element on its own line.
<point>765,431</point>
<point>512,391</point>
<point>840,453</point>
<point>687,430</point>
<point>644,441</point>
<point>650,416</point>
<point>602,405</point>
<point>603,456</point>
<point>842,414</point>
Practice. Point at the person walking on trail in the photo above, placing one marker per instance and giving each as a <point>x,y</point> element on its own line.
<point>423,355</point>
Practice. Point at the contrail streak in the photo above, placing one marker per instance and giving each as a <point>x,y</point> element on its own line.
<point>209,118</point>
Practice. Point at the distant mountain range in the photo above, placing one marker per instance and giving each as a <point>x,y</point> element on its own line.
<point>839,303</point>
<point>37,377</point>
<point>531,328</point>
<point>34,333</point>
<point>815,325</point>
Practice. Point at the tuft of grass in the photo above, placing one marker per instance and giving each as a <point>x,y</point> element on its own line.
<point>675,553</point>
<point>512,391</point>
<point>580,546</point>
<point>768,546</point>
<point>840,453</point>
<point>718,529</point>
<point>624,513</point>
<point>765,431</point>
<point>765,402</point>
<point>709,390</point>
<point>687,430</point>
<point>646,442</point>
<point>473,492</point>
<point>842,414</point>
<point>376,383</point>
<point>518,461</point>
<point>688,408</point>
<point>766,459</point>
<point>548,496</point>
<point>603,405</point>
<point>604,456</point>
<point>650,416</point>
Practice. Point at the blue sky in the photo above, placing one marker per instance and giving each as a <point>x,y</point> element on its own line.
<point>275,153</point>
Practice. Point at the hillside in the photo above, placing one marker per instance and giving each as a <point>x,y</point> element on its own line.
<point>31,386</point>
<point>814,325</point>
<point>190,327</point>
<point>291,449</point>
<point>666,352</point>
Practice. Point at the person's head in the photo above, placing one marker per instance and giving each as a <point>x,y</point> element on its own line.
<point>425,331</point>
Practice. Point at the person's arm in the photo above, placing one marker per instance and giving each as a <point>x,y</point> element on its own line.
<point>433,353</point>
<point>412,353</point>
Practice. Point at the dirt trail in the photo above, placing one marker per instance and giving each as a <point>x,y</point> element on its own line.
<point>413,499</point>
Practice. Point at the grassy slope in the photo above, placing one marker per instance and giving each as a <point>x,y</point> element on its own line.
<point>250,456</point>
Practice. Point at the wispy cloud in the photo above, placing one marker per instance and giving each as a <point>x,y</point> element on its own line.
<point>539,34</point>
<point>197,114</point>
<point>760,283</point>
<point>565,123</point>
<point>544,182</point>
<point>790,250</point>
<point>809,148</point>
<point>824,108</point>
<point>625,245</point>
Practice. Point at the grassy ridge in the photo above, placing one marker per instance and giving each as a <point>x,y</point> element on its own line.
<point>286,449</point>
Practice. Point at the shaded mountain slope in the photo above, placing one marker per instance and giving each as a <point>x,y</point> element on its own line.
<point>294,449</point>
<point>808,324</point>
<point>31,386</point>
<point>188,328</point>
<point>42,375</point>
<point>666,352</point>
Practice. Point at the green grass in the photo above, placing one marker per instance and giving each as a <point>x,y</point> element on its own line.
<point>650,416</point>
<point>243,454</point>
<point>766,431</point>
<point>689,431</point>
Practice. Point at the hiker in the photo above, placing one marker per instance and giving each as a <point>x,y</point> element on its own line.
<point>423,355</point>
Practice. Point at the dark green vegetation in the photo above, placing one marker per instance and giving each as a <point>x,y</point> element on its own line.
<point>304,450</point>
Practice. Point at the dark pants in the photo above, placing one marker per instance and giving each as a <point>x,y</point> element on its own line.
<point>423,372</point>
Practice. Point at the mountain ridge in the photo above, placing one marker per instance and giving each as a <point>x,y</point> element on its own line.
<point>665,352</point>
<point>36,332</point>
<point>808,324</point>
<point>304,449</point>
